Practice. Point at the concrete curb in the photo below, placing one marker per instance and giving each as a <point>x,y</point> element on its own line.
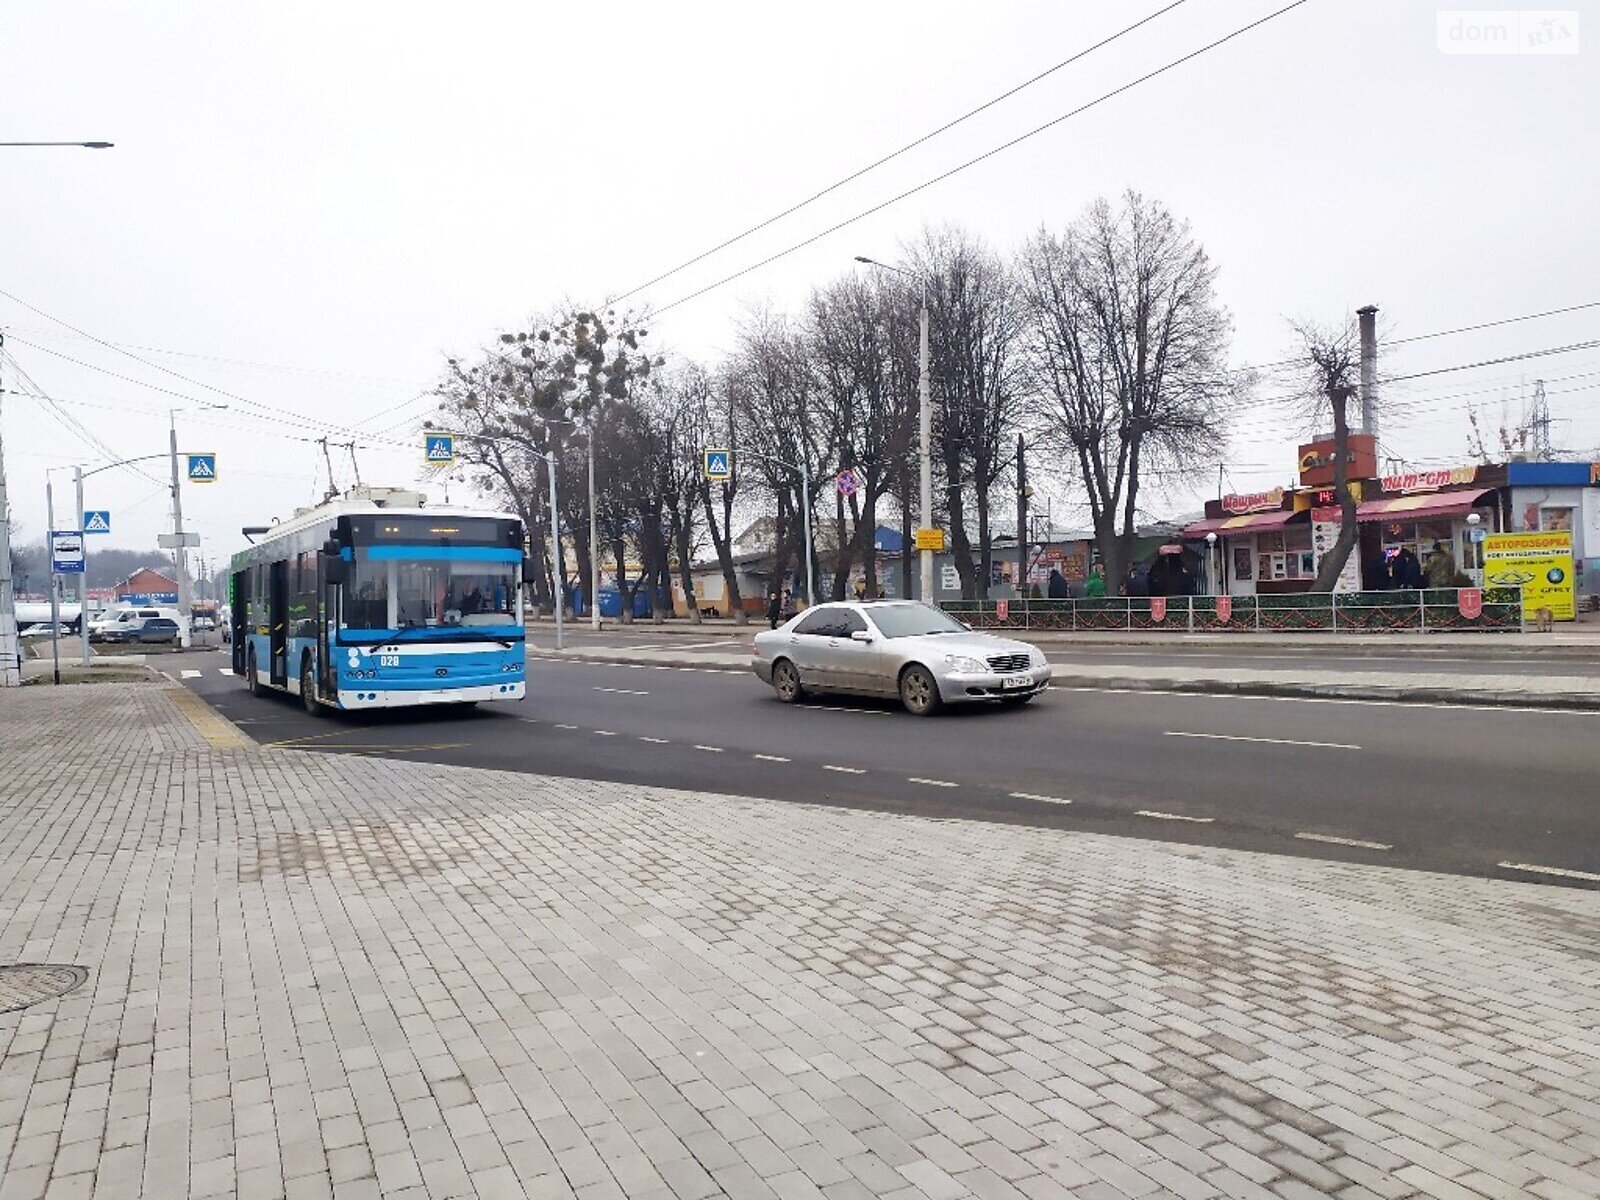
<point>1574,701</point>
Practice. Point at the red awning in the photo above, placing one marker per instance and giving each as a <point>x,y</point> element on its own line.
<point>1422,507</point>
<point>1243,523</point>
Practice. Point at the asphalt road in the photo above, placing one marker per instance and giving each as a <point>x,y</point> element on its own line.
<point>1499,656</point>
<point>1439,788</point>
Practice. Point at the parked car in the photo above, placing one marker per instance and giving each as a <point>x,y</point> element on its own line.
<point>898,648</point>
<point>204,624</point>
<point>121,617</point>
<point>42,629</point>
<point>142,629</point>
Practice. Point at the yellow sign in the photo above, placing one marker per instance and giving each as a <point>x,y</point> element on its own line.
<point>1539,563</point>
<point>930,539</point>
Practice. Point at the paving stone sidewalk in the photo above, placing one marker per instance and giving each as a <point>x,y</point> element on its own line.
<point>321,975</point>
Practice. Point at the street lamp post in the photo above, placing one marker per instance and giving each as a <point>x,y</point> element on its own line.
<point>10,646</point>
<point>1213,568</point>
<point>925,418</point>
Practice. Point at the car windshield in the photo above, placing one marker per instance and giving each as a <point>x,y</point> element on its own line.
<point>420,593</point>
<point>913,620</point>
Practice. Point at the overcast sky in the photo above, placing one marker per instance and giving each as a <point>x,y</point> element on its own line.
<point>310,205</point>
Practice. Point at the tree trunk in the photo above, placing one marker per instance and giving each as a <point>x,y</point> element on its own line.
<point>722,540</point>
<point>1332,564</point>
<point>985,551</point>
<point>680,533</point>
<point>624,592</point>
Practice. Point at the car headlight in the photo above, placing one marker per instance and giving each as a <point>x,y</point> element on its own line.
<point>1037,658</point>
<point>962,662</point>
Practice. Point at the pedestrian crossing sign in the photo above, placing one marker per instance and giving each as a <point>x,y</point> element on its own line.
<point>719,465</point>
<point>439,449</point>
<point>98,521</point>
<point>202,468</point>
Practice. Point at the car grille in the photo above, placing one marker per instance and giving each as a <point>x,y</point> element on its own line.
<point>1009,662</point>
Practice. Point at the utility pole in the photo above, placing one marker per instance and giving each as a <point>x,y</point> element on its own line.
<point>925,395</point>
<point>1368,322</point>
<point>179,556</point>
<point>83,578</point>
<point>55,580</point>
<point>1023,491</point>
<point>10,646</point>
<point>1541,423</point>
<point>557,557</point>
<point>594,541</point>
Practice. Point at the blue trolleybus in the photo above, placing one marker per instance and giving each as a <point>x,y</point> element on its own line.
<point>373,601</point>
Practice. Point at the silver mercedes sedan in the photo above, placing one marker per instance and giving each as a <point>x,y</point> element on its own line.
<point>896,648</point>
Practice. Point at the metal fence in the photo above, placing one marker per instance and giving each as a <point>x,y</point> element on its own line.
<point>1438,609</point>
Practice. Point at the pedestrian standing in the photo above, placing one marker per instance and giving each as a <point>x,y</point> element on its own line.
<point>774,608</point>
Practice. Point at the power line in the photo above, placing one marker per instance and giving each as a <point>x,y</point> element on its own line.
<point>987,154</point>
<point>268,408</point>
<point>873,166</point>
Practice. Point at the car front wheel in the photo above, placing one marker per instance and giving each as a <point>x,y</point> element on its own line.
<point>919,691</point>
<point>786,681</point>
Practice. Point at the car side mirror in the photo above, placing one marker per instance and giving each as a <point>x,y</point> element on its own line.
<point>860,635</point>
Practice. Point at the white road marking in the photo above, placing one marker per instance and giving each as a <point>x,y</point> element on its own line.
<point>709,749</point>
<point>931,782</point>
<point>622,691</point>
<point>866,712</point>
<point>656,741</point>
<point>844,770</point>
<point>1235,737</point>
<point>770,757</point>
<point>190,674</point>
<point>1343,841</point>
<point>171,678</point>
<point>224,670</point>
<point>1464,708</point>
<point>1161,816</point>
<point>1041,799</point>
<point>566,726</point>
<point>1562,872</point>
<point>604,733</point>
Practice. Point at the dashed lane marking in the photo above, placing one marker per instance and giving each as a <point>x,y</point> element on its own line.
<point>604,733</point>
<point>1161,816</point>
<point>709,749</point>
<point>1560,872</point>
<point>770,757</point>
<point>566,726</point>
<point>1039,798</point>
<point>622,691</point>
<point>1236,737</point>
<point>865,712</point>
<point>190,674</point>
<point>656,741</point>
<point>931,782</point>
<point>844,770</point>
<point>1435,705</point>
<point>1343,841</point>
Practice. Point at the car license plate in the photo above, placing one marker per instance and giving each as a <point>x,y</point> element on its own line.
<point>1012,682</point>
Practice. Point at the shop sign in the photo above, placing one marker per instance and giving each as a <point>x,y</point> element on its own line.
<point>1539,563</point>
<point>1224,609</point>
<point>1429,481</point>
<point>1250,502</point>
<point>1318,459</point>
<point>1325,523</point>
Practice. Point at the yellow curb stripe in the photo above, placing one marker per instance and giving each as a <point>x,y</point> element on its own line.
<point>219,732</point>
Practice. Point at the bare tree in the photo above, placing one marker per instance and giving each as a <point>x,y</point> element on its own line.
<point>870,418</point>
<point>1332,362</point>
<point>978,317</point>
<point>1127,342</point>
